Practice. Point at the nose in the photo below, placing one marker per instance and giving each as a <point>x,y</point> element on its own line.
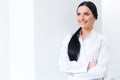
<point>81,17</point>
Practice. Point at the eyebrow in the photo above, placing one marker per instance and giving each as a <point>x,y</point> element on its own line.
<point>83,13</point>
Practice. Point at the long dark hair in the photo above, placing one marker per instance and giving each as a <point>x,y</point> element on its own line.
<point>74,44</point>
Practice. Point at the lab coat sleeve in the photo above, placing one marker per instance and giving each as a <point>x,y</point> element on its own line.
<point>68,66</point>
<point>103,59</point>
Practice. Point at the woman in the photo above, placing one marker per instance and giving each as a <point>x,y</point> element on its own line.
<point>85,54</point>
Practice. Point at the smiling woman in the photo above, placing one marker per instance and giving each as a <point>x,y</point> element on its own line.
<point>53,19</point>
<point>85,53</point>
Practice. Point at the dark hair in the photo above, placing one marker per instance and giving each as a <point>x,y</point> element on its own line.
<point>74,44</point>
<point>91,6</point>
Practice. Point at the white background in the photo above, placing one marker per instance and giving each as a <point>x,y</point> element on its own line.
<point>4,40</point>
<point>111,28</point>
<point>21,40</point>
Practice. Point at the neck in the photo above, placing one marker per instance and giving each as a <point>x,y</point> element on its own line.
<point>85,32</point>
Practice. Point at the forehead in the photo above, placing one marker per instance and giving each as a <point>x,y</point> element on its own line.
<point>84,9</point>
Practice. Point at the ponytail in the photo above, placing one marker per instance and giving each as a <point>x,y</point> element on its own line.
<point>74,46</point>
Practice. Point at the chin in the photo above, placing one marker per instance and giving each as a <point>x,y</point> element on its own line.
<point>83,26</point>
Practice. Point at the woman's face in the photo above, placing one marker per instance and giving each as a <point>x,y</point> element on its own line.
<point>85,17</point>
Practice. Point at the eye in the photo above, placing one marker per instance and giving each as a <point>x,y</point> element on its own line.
<point>86,13</point>
<point>78,14</point>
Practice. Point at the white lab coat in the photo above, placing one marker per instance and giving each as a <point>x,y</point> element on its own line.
<point>94,48</point>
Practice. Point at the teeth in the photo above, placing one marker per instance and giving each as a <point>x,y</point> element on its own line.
<point>82,23</point>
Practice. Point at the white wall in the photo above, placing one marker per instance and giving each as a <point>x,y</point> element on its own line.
<point>111,28</point>
<point>53,20</point>
<point>21,33</point>
<point>4,39</point>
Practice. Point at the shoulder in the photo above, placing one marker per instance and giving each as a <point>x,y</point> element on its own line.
<point>101,36</point>
<point>104,40</point>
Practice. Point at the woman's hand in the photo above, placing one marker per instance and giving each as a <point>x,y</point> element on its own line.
<point>91,65</point>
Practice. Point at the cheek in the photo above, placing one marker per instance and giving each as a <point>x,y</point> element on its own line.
<point>78,19</point>
<point>91,20</point>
